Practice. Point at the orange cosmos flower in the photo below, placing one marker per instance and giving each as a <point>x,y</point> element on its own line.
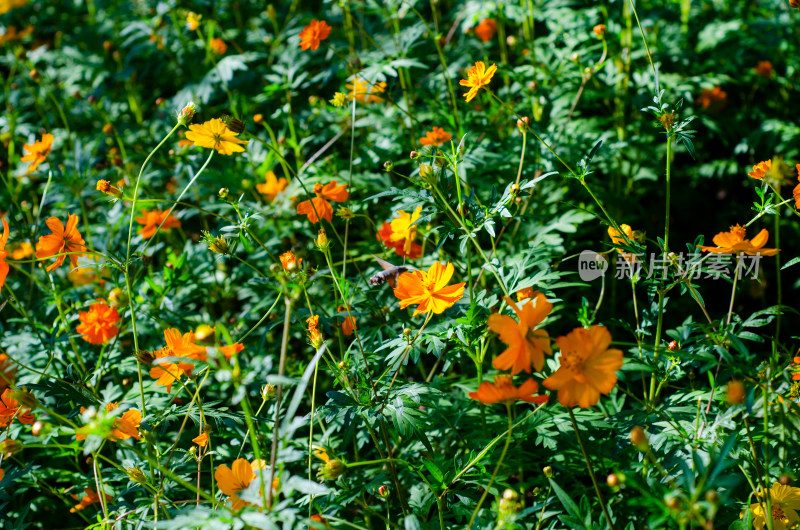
<point>10,409</point>
<point>60,241</point>
<point>152,219</point>
<point>586,367</point>
<point>98,325</point>
<point>436,137</point>
<point>20,250</point>
<point>764,69</point>
<point>272,187</point>
<point>714,98</point>
<point>127,425</point>
<point>349,324</point>
<point>525,293</point>
<point>232,480</point>
<point>90,497</point>
<point>319,207</point>
<point>429,289</point>
<point>795,192</point>
<point>218,46</point>
<point>3,254</point>
<point>526,344</point>
<point>166,373</point>
<point>289,261</point>
<point>761,169</point>
<point>504,391</point>
<point>312,34</point>
<point>486,29</point>
<point>314,334</point>
<point>214,134</point>
<point>733,242</point>
<point>201,440</point>
<point>385,236</point>
<point>8,371</point>
<point>37,151</point>
<point>363,92</point>
<point>477,76</point>
<point>229,350</point>
<point>12,34</point>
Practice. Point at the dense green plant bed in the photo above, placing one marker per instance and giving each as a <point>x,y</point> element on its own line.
<point>399,264</point>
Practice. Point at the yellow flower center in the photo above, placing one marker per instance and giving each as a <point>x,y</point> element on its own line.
<point>739,232</point>
<point>572,360</point>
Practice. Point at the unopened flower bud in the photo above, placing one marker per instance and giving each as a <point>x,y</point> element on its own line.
<point>117,297</point>
<point>109,189</point>
<point>258,118</point>
<point>673,345</point>
<point>108,129</point>
<point>639,439</point>
<point>735,393</point>
<point>223,193</point>
<point>523,123</point>
<point>322,239</point>
<point>612,480</point>
<point>136,475</point>
<point>218,245</point>
<point>107,45</point>
<point>510,495</point>
<point>268,391</point>
<point>145,357</point>
<point>25,399</point>
<point>548,471</point>
<point>37,428</point>
<point>8,447</point>
<point>332,470</point>
<point>600,30</point>
<point>383,491</point>
<point>187,113</point>
<point>35,75</point>
<point>388,166</point>
<point>414,155</point>
<point>345,213</point>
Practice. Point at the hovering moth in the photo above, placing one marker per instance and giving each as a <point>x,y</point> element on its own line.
<point>388,275</point>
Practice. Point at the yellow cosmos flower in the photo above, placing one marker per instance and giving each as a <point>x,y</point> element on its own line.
<point>478,76</point>
<point>784,501</point>
<point>404,228</point>
<point>429,290</point>
<point>214,134</point>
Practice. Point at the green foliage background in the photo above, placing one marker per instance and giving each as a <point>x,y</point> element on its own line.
<point>133,65</point>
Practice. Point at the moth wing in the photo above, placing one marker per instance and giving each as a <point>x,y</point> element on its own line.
<point>385,265</point>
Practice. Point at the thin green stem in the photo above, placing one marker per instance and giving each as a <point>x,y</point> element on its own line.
<point>496,468</point>
<point>591,471</point>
